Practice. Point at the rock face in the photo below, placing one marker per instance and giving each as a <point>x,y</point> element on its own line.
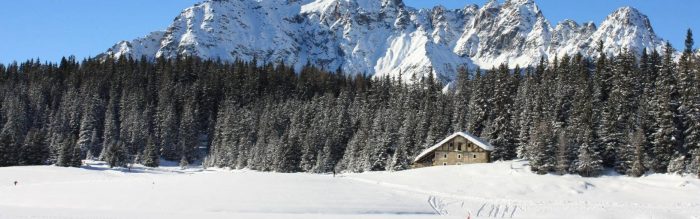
<point>386,37</point>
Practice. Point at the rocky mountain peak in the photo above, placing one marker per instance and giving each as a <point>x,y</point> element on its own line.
<point>628,16</point>
<point>626,28</point>
<point>567,24</point>
<point>526,4</point>
<point>385,37</point>
<point>492,4</point>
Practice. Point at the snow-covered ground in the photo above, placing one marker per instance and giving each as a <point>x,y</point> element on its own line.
<point>499,190</point>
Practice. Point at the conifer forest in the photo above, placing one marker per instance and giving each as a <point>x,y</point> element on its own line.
<point>629,113</point>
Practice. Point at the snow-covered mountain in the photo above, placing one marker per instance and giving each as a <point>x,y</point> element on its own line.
<point>386,37</point>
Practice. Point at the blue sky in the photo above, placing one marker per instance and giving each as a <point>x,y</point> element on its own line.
<point>50,29</point>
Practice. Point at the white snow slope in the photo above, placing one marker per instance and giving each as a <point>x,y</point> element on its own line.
<point>386,37</point>
<point>499,190</point>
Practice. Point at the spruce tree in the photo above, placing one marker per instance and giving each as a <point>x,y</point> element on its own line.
<point>151,155</point>
<point>112,130</point>
<point>689,109</point>
<point>35,150</point>
<point>168,122</point>
<point>666,137</point>
<point>478,105</point>
<point>462,94</point>
<point>7,151</point>
<point>115,154</point>
<point>563,158</point>
<point>187,134</point>
<point>526,102</point>
<point>401,158</point>
<point>589,162</point>
<point>289,155</point>
<point>542,149</point>
<point>500,133</point>
<point>618,119</point>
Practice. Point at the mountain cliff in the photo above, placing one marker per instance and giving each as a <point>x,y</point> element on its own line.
<point>386,37</point>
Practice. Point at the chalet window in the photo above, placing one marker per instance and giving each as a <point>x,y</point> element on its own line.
<point>444,156</point>
<point>450,146</point>
<point>444,164</point>
<point>459,147</point>
<point>459,156</point>
<point>475,156</point>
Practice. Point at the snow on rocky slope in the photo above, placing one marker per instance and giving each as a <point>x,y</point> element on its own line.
<point>497,190</point>
<point>386,37</point>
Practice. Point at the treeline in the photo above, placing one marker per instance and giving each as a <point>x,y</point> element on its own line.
<point>572,115</point>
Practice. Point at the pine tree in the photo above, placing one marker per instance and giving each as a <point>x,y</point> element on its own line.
<point>289,155</point>
<point>589,163</point>
<point>478,105</point>
<point>400,160</point>
<point>542,149</point>
<point>375,156</point>
<point>649,68</point>
<point>34,151</point>
<point>500,133</point>
<point>602,85</point>
<point>563,158</point>
<point>7,151</point>
<point>666,137</point>
<point>151,156</point>
<point>689,109</point>
<point>618,119</point>
<point>188,138</point>
<point>525,101</point>
<point>168,123</point>
<point>115,154</point>
<point>87,136</point>
<point>112,131</point>
<point>14,128</point>
<point>462,94</point>
<point>559,115</point>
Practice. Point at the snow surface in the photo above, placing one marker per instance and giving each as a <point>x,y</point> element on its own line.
<point>498,190</point>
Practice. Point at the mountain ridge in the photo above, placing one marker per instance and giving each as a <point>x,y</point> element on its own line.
<point>387,37</point>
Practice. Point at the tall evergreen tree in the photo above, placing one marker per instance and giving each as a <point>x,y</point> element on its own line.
<point>500,133</point>
<point>151,155</point>
<point>478,105</point>
<point>542,149</point>
<point>462,95</point>
<point>666,137</point>
<point>689,107</point>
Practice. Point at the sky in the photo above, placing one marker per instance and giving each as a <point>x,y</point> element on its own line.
<point>51,29</point>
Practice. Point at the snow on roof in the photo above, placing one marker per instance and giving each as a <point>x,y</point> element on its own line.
<point>476,140</point>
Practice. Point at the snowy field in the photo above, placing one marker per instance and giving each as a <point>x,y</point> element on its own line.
<point>500,190</point>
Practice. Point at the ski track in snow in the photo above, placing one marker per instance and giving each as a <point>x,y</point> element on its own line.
<point>445,203</point>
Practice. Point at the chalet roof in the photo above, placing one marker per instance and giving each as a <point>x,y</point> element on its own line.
<point>476,140</point>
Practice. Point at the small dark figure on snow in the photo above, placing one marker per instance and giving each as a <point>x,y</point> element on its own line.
<point>15,183</point>
<point>333,172</point>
